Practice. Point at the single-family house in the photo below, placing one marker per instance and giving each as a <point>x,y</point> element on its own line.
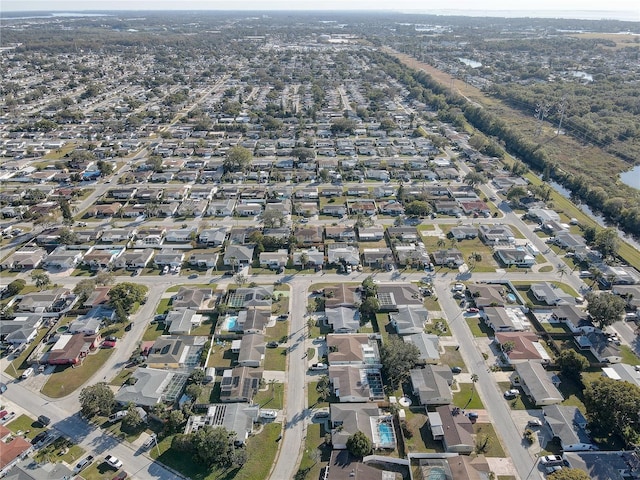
<point>349,418</point>
<point>176,352</point>
<point>351,384</point>
<point>353,349</point>
<point>392,296</point>
<point>603,347</point>
<point>238,256</point>
<point>505,319</point>
<point>496,234</point>
<point>71,349</point>
<point>274,260</point>
<point>451,257</point>
<point>574,318</point>
<point>409,319</point>
<point>237,418</point>
<point>168,257</point>
<point>22,329</point>
<point>518,257</point>
<point>151,386</point>
<point>192,298</point>
<point>381,257</point>
<point>457,430</point>
<point>314,257</point>
<point>203,259</point>
<point>182,235</point>
<point>245,297</point>
<point>240,384</point>
<point>486,294</point>
<point>569,426</point>
<point>134,259</point>
<point>341,253</point>
<point>63,258</point>
<point>26,258</point>
<point>518,347</point>
<point>432,384</point>
<point>213,237</point>
<point>537,383</point>
<point>252,320</point>
<point>182,321</point>
<point>428,346</point>
<point>252,349</point>
<point>342,319</point>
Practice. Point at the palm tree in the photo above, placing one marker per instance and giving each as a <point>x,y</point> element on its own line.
<point>474,379</point>
<point>233,261</point>
<point>441,243</point>
<point>562,269</point>
<point>304,259</point>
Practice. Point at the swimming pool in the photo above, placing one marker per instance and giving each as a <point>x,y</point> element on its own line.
<point>511,298</point>
<point>230,323</point>
<point>385,432</point>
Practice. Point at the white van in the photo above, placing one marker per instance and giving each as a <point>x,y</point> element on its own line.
<point>27,373</point>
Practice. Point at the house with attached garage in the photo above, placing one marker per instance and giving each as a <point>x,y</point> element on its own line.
<point>176,352</point>
<point>134,259</point>
<point>151,386</point>
<point>26,258</point>
<point>181,235</point>
<point>274,260</point>
<point>193,298</point>
<point>538,384</point>
<point>428,346</point>
<point>63,258</point>
<point>432,384</point>
<point>409,319</point>
<point>518,257</point>
<point>342,253</point>
<point>213,237</point>
<point>251,350</point>
<point>603,347</point>
<point>575,319</point>
<point>349,418</point>
<point>523,347</point>
<point>451,257</point>
<point>237,418</point>
<point>22,329</point>
<point>569,426</point>
<point>168,257</point>
<point>240,384</point>
<point>352,384</point>
<point>496,234</point>
<point>238,255</point>
<point>203,259</point>
<point>453,428</point>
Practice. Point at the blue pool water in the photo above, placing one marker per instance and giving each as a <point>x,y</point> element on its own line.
<point>386,433</point>
<point>511,298</point>
<point>230,323</point>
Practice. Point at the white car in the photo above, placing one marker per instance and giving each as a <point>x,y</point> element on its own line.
<point>269,414</point>
<point>551,460</point>
<point>513,393</point>
<point>113,462</point>
<point>319,366</point>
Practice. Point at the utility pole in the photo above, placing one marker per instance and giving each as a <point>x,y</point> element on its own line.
<point>541,111</point>
<point>562,106</point>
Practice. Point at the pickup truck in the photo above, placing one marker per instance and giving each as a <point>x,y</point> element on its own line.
<point>113,462</point>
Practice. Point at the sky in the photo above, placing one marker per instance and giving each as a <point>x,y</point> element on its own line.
<point>632,7</point>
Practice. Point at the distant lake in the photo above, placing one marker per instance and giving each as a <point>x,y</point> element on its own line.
<point>632,177</point>
<point>470,63</point>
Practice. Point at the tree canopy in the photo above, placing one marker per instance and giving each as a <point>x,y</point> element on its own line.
<point>569,474</point>
<point>359,444</point>
<point>605,308</point>
<point>238,160</point>
<point>612,408</point>
<point>126,295</point>
<point>212,446</point>
<point>397,359</point>
<point>97,399</point>
<point>572,363</point>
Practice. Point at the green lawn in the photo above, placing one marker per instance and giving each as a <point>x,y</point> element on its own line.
<point>222,356</point>
<point>65,379</point>
<point>461,398</point>
<point>628,356</point>
<point>279,331</point>
<point>382,324</point>
<point>53,452</point>
<point>422,441</point>
<point>27,425</point>
<point>272,397</point>
<point>313,398</point>
<point>163,306</point>
<point>452,357</point>
<point>153,331</point>
<point>521,402</point>
<point>316,452</point>
<point>275,359</point>
<point>431,303</point>
<point>493,446</point>
<point>478,327</point>
<point>438,326</point>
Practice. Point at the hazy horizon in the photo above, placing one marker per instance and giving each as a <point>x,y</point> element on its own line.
<point>627,10</point>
